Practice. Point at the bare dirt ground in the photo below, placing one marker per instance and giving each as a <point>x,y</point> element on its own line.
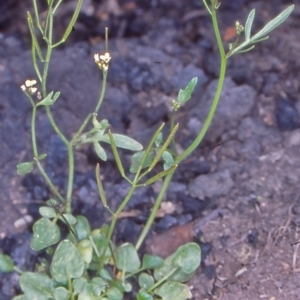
<point>253,147</point>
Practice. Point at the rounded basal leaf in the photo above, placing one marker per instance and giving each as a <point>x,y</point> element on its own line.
<point>61,293</point>
<point>45,234</point>
<point>67,262</point>
<point>79,285</point>
<point>100,285</point>
<point>86,249</point>
<point>36,286</point>
<point>24,168</point>
<point>188,257</point>
<point>169,267</point>
<point>47,212</point>
<point>127,258</point>
<point>143,295</point>
<point>82,228</point>
<point>173,290</point>
<point>70,219</point>
<point>20,297</point>
<point>114,294</point>
<point>123,141</point>
<point>6,263</point>
<point>145,281</point>
<point>127,287</point>
<point>105,275</point>
<point>152,261</point>
<point>88,293</point>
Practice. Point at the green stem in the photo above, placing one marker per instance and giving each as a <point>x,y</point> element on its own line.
<point>200,136</point>
<point>113,224</point>
<point>102,92</point>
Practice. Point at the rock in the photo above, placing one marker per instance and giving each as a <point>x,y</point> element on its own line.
<point>287,115</point>
<point>211,185</point>
<point>236,102</point>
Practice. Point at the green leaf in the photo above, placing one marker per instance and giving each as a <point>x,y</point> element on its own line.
<point>136,160</point>
<point>185,95</point>
<point>86,249</point>
<point>67,262</point>
<point>36,286</point>
<point>248,24</point>
<point>100,151</point>
<point>25,167</point>
<point>188,257</point>
<point>49,99</point>
<point>143,295</point>
<point>158,139</point>
<point>47,212</point>
<point>123,141</point>
<point>20,297</point>
<point>45,234</point>
<point>79,285</point>
<point>99,285</point>
<point>82,228</point>
<point>145,281</point>
<point>152,262</point>
<point>114,294</point>
<point>70,219</point>
<point>6,263</point>
<point>273,23</point>
<point>168,160</point>
<point>173,290</point>
<point>127,258</point>
<point>88,293</point>
<point>42,156</point>
<point>61,293</point>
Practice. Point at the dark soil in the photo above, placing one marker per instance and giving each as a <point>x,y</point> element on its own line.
<point>237,195</point>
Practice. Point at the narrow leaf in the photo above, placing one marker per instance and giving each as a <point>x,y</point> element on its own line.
<point>248,25</point>
<point>185,95</point>
<point>100,151</point>
<point>123,141</point>
<point>274,23</point>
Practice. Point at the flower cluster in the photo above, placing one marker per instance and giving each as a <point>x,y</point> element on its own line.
<point>102,60</point>
<point>239,28</point>
<point>29,86</point>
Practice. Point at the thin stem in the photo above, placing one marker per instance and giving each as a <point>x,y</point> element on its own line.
<point>113,224</point>
<point>200,136</point>
<point>102,92</point>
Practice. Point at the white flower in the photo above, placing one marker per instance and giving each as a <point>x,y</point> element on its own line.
<point>102,60</point>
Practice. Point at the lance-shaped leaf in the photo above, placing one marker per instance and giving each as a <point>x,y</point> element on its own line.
<point>100,151</point>
<point>122,141</point>
<point>248,25</point>
<point>274,23</point>
<point>185,95</point>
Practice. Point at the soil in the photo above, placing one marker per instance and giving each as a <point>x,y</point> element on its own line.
<point>237,195</point>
